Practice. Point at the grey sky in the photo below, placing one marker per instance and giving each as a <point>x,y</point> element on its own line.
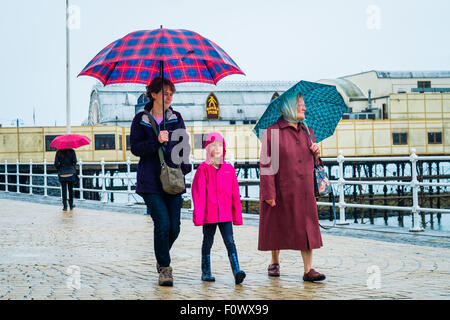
<point>270,40</point>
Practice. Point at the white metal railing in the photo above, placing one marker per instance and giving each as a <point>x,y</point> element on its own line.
<point>415,209</point>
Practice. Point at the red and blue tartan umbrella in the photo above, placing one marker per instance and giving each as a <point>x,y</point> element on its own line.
<point>178,55</point>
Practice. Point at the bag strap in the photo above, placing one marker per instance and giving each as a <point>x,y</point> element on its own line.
<point>309,134</point>
<point>331,194</point>
<point>320,162</point>
<point>153,123</point>
<point>334,214</point>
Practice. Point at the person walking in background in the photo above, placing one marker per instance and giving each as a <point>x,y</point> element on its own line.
<point>217,203</point>
<point>65,162</point>
<point>288,208</point>
<point>164,208</point>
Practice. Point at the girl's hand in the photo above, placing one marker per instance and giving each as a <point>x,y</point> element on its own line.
<point>163,136</point>
<point>315,149</point>
<point>271,202</point>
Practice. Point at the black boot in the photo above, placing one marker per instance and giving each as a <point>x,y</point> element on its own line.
<point>239,275</point>
<point>64,205</point>
<point>206,268</point>
<point>71,205</point>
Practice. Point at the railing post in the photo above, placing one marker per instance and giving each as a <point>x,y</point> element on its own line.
<point>104,195</point>
<point>128,181</point>
<point>80,178</point>
<point>341,184</point>
<point>17,176</point>
<point>31,177</point>
<point>232,159</point>
<point>191,160</point>
<point>415,189</point>
<point>6,176</point>
<point>45,178</point>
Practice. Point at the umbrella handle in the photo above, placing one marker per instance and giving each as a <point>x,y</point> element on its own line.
<point>161,63</point>
<point>162,88</point>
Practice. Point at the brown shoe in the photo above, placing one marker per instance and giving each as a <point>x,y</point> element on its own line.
<point>165,276</point>
<point>313,275</point>
<point>274,270</point>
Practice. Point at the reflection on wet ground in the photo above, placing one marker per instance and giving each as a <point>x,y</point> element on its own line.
<point>46,253</point>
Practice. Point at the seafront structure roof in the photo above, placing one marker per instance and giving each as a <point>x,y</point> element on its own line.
<point>238,100</point>
<point>413,74</point>
<point>405,74</point>
<point>349,88</point>
<point>228,92</point>
<point>202,87</point>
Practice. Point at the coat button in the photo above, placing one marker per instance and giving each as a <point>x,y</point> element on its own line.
<point>301,177</point>
<point>299,161</point>
<point>297,142</point>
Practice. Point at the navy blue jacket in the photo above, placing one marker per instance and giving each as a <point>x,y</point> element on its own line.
<point>144,144</point>
<point>65,161</point>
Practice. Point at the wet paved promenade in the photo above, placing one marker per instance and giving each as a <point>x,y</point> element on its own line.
<point>88,253</point>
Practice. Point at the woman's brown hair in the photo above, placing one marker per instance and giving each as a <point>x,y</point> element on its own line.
<point>155,87</point>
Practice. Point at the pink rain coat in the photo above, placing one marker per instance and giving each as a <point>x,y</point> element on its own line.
<point>215,192</point>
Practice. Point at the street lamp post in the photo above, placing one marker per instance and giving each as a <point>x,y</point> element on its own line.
<point>67,69</point>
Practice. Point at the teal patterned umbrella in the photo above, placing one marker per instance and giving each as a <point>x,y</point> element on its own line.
<point>324,108</point>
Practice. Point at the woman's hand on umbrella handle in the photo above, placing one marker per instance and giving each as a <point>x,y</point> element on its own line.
<point>271,202</point>
<point>163,136</point>
<point>315,149</point>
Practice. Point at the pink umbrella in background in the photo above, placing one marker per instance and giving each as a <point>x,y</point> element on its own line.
<point>70,141</point>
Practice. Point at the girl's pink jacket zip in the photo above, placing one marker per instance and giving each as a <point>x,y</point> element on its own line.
<point>215,192</point>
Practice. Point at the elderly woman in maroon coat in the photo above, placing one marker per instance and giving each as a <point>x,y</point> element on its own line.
<point>288,208</point>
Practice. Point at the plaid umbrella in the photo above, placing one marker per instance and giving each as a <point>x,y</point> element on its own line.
<point>324,108</point>
<point>178,55</point>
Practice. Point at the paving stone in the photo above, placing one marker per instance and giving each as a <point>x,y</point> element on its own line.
<point>43,251</point>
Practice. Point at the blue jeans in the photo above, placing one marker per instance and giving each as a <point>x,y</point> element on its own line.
<point>226,229</point>
<point>165,211</point>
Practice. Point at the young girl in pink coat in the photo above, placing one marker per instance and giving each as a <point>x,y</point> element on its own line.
<point>217,203</point>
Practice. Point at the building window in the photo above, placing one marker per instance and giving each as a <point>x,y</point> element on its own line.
<point>199,140</point>
<point>127,141</point>
<point>127,138</point>
<point>105,142</point>
<point>48,141</point>
<point>435,137</point>
<point>275,95</point>
<point>400,138</point>
<point>423,84</point>
<point>385,114</point>
<point>142,99</point>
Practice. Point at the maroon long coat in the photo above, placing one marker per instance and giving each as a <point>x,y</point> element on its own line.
<point>293,223</point>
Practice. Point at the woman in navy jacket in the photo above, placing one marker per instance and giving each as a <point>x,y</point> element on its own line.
<point>65,162</point>
<point>165,209</point>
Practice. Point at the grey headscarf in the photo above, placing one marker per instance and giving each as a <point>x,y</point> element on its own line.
<point>289,109</point>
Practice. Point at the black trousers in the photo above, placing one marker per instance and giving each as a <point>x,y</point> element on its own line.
<point>67,186</point>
